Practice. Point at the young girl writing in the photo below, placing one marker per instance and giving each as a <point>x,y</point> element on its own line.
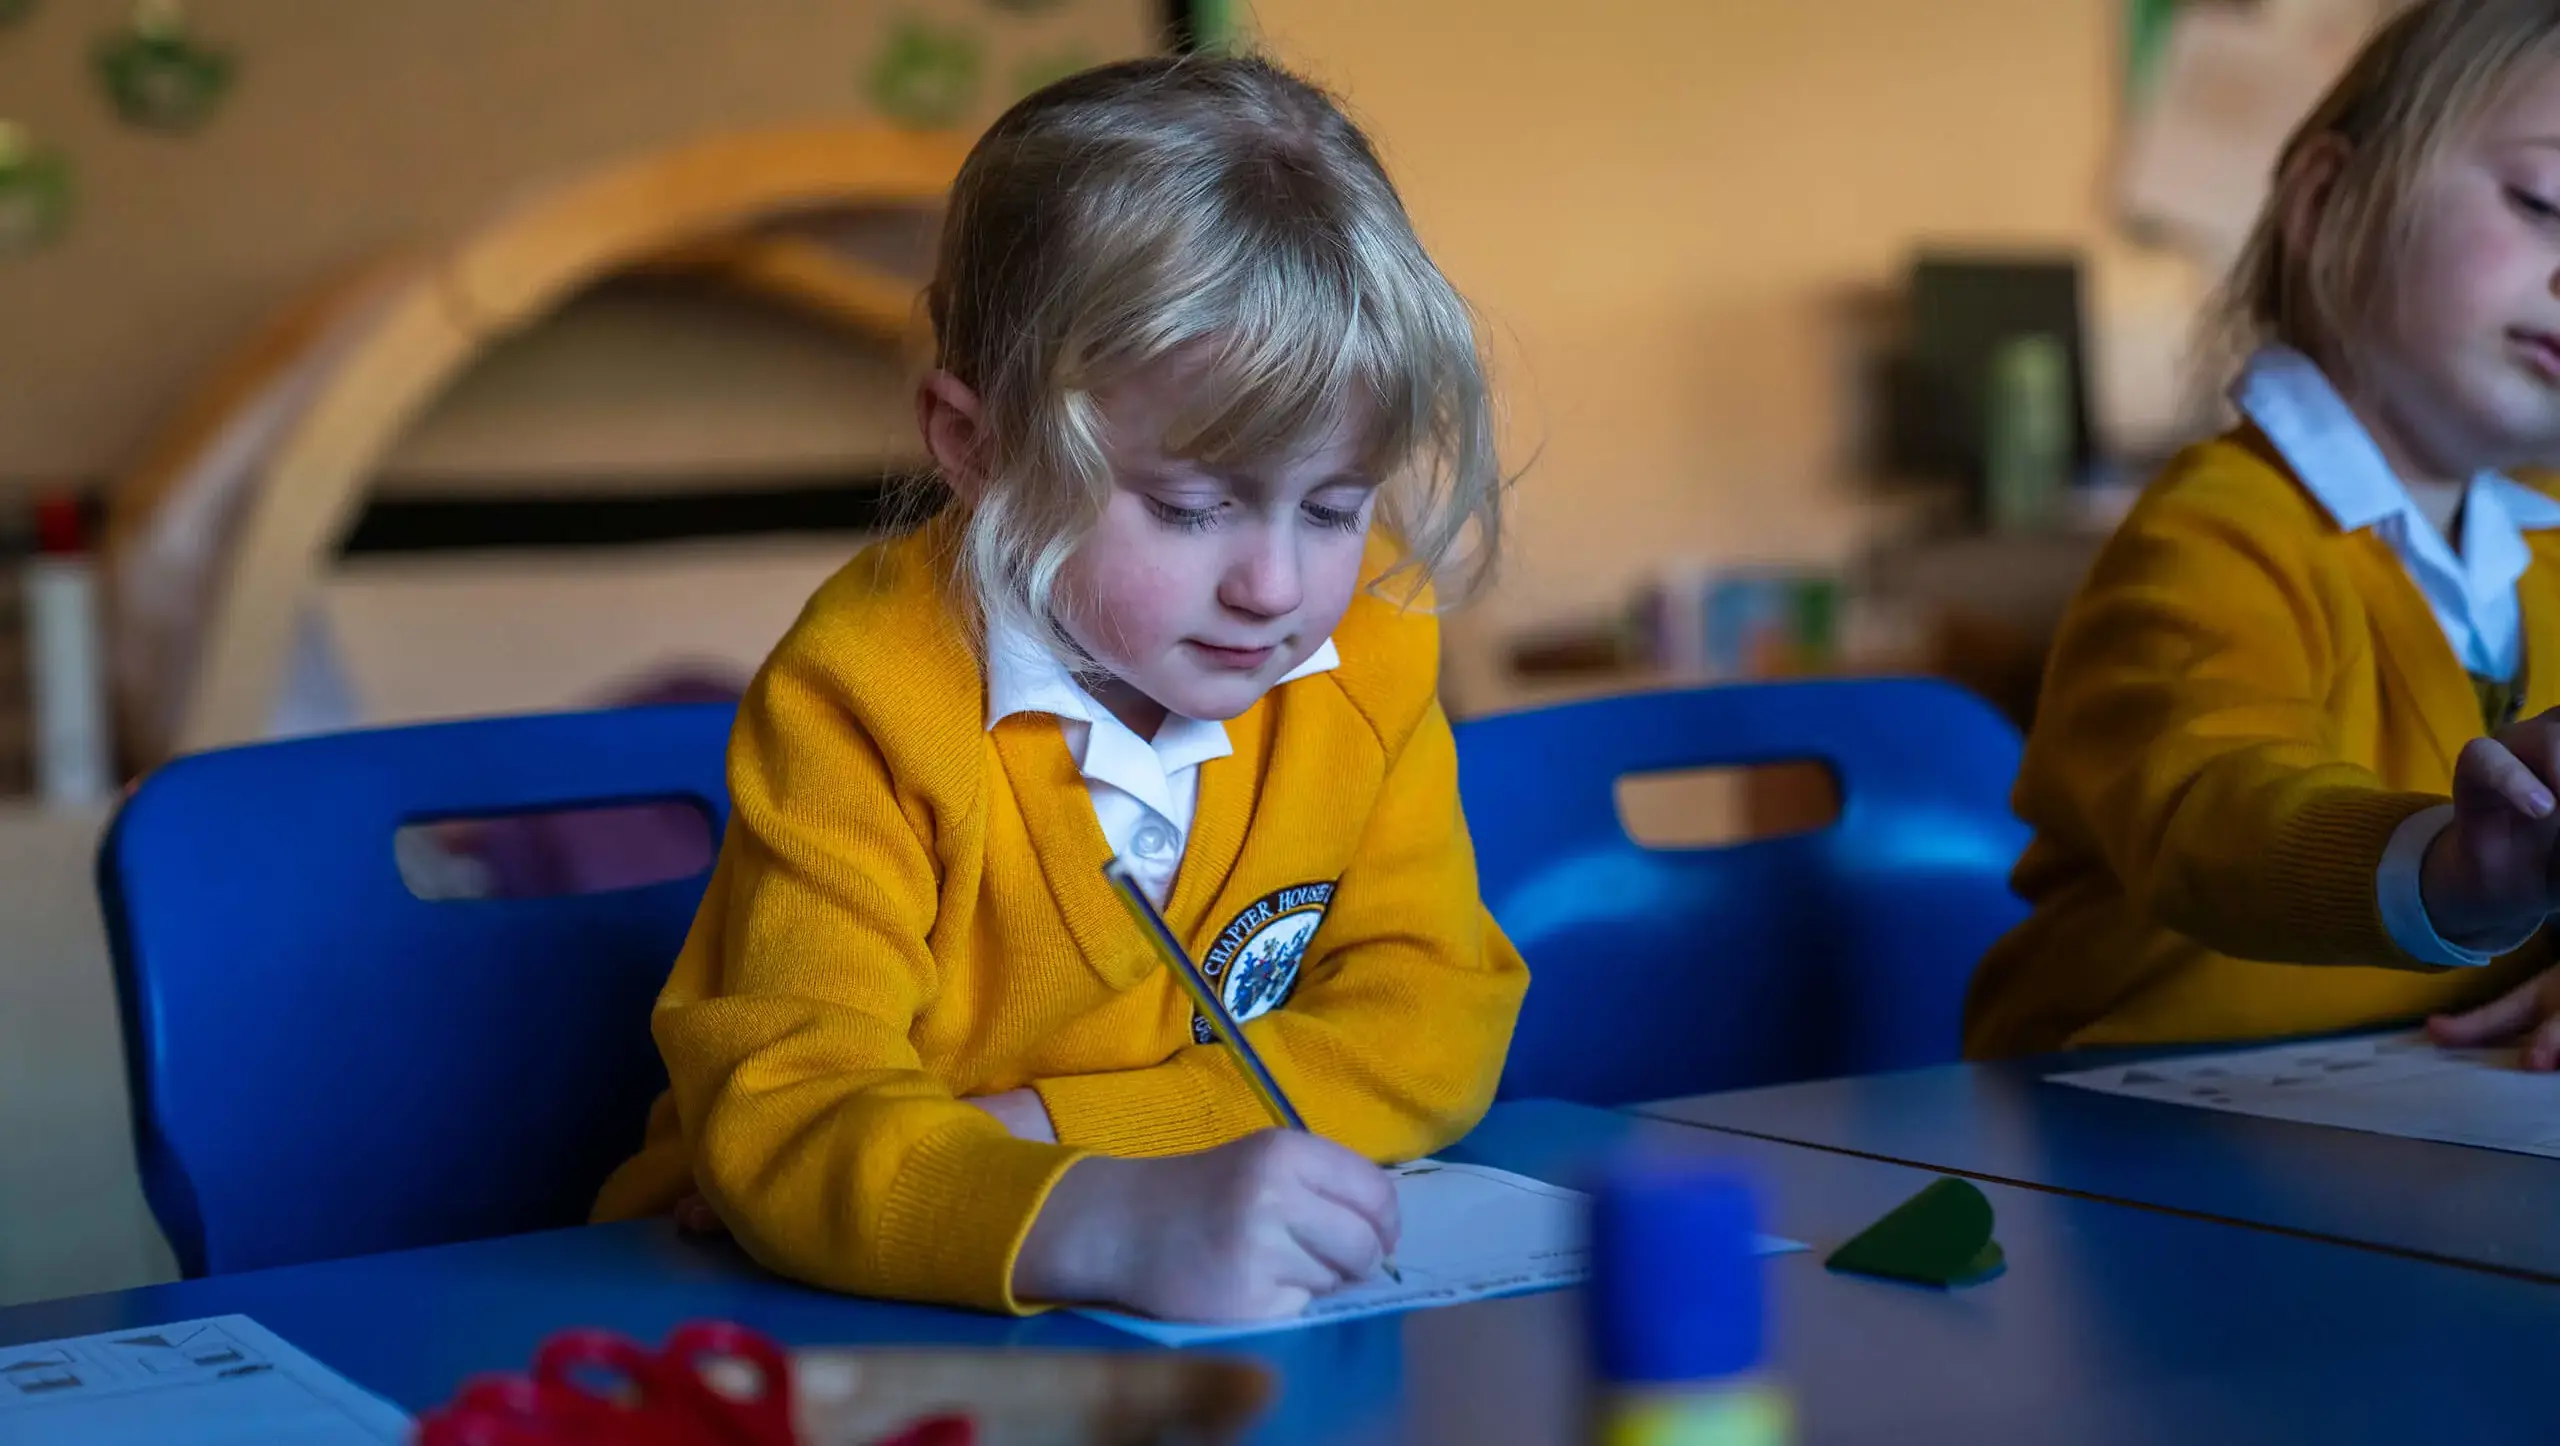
<point>1210,419</point>
<point>2293,767</point>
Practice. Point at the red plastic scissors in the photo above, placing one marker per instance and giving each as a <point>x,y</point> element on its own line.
<point>596,1388</point>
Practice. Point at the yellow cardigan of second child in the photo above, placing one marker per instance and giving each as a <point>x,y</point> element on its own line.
<point>2243,703</point>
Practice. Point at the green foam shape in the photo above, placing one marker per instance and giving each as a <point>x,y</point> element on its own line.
<point>1940,1237</point>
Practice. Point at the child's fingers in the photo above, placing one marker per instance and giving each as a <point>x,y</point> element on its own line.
<point>2542,1051</point>
<point>695,1216</point>
<point>1355,1184</point>
<point>1287,1303</point>
<point>1343,1241</point>
<point>2489,778</point>
<point>2504,1017</point>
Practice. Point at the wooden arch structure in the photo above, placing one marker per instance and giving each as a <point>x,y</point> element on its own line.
<point>216,541</point>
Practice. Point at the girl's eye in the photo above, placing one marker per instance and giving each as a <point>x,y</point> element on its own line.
<point>1186,519</point>
<point>1339,519</point>
<point>2532,205</point>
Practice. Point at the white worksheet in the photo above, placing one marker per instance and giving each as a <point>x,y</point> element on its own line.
<point>2389,1084</point>
<point>1470,1233</point>
<point>223,1381</point>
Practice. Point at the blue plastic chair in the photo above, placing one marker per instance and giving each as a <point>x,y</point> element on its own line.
<point>324,1064</point>
<point>1664,972</point>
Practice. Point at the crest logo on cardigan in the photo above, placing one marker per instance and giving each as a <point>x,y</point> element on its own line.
<point>1254,962</point>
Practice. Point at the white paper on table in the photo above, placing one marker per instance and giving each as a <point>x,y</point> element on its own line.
<point>1470,1233</point>
<point>2384,1084</point>
<point>212,1382</point>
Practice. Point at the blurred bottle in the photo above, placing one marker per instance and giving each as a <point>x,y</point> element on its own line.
<point>2027,449</point>
<point>1676,620</point>
<point>66,673</point>
<point>1678,1312</point>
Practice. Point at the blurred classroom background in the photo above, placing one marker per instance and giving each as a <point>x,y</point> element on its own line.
<point>371,363</point>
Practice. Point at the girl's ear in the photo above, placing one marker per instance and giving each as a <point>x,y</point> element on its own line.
<point>947,415</point>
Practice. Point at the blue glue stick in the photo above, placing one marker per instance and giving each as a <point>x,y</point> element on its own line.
<point>1678,1311</point>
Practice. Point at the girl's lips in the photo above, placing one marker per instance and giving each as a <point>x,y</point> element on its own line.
<point>2541,351</point>
<point>1242,660</point>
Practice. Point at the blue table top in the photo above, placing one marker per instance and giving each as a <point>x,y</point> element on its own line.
<point>2003,1122</point>
<point>2112,1324</point>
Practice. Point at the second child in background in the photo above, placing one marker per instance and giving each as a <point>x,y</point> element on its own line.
<point>2294,764</point>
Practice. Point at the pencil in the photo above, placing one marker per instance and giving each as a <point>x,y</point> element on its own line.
<point>1204,997</point>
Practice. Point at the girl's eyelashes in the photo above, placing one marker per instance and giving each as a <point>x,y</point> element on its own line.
<point>2533,206</point>
<point>1200,515</point>
<point>1338,519</point>
<point>1185,519</point>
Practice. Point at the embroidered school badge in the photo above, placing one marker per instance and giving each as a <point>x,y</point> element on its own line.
<point>1253,964</point>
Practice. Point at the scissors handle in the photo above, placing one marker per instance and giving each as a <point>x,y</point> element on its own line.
<point>596,1388</point>
<point>507,1411</point>
<point>469,1420</point>
<point>666,1397</point>
<point>763,1418</point>
<point>561,1360</point>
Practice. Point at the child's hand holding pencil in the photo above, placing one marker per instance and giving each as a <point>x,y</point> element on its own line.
<point>1255,1229</point>
<point>1204,997</point>
<point>1252,1230</point>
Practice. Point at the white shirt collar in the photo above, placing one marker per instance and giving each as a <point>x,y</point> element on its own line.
<point>1024,676</point>
<point>2339,464</point>
<point>2287,396</point>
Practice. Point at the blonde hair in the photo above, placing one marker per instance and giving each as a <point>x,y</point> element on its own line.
<point>2421,82</point>
<point>1214,205</point>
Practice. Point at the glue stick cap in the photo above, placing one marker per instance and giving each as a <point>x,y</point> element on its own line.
<point>1676,1293</point>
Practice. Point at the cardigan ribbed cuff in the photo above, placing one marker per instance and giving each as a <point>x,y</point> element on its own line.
<point>2321,874</point>
<point>955,1219</point>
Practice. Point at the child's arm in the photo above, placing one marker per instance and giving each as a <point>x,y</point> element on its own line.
<point>1395,1035</point>
<point>813,1127</point>
<point>834,1157</point>
<point>2186,734</point>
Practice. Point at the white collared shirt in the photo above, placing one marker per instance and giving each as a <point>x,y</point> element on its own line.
<point>2472,593</point>
<point>1144,790</point>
